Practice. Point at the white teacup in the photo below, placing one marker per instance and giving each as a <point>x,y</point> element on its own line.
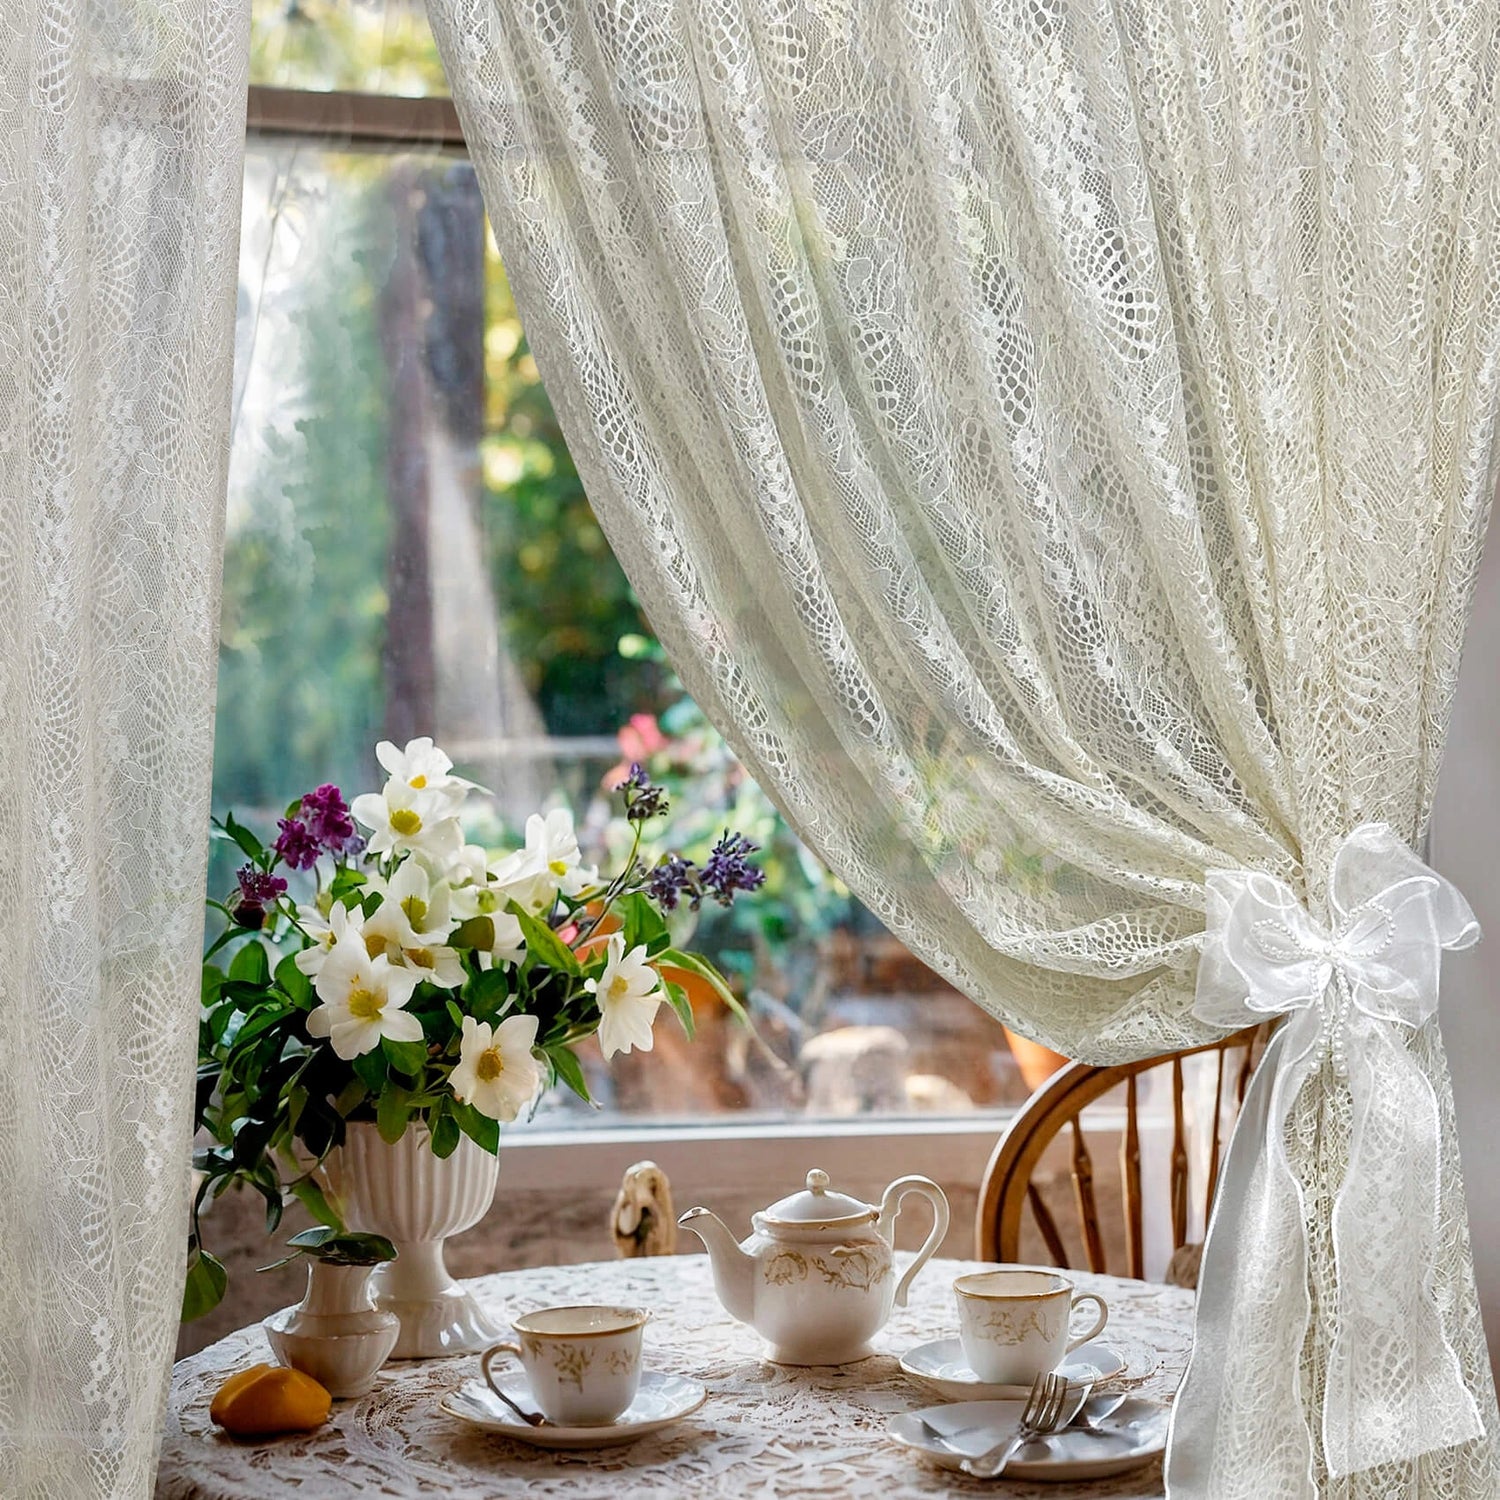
<point>1014,1323</point>
<point>584,1363</point>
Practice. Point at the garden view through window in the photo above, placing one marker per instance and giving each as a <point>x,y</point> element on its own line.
<point>409,550</point>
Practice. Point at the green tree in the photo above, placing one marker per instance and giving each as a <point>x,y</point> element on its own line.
<point>565,602</point>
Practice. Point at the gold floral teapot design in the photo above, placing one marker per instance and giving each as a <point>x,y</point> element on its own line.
<point>817,1279</point>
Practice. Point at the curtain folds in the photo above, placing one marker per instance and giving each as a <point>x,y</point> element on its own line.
<point>1053,441</point>
<point>121,140</point>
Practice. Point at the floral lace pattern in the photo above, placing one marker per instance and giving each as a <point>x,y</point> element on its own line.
<point>1053,441</point>
<point>765,1429</point>
<point>122,129</point>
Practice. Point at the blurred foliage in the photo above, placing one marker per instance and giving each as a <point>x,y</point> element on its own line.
<point>367,46</point>
<point>304,600</point>
<point>769,943</point>
<point>563,598</point>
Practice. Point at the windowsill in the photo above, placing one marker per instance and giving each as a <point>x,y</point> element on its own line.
<point>954,1148</point>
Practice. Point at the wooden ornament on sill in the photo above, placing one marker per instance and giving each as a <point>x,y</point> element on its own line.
<point>642,1220</point>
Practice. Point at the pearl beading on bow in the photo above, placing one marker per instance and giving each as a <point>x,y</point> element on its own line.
<point>1352,991</point>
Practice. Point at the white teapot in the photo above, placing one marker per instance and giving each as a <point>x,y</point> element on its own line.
<point>817,1277</point>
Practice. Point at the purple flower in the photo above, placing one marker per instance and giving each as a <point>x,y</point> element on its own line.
<point>258,889</point>
<point>728,869</point>
<point>642,799</point>
<point>296,845</point>
<point>669,880</point>
<point>326,815</point>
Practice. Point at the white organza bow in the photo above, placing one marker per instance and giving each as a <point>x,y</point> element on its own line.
<point>1393,1387</point>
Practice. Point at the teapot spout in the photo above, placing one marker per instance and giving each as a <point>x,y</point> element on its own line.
<point>732,1266</point>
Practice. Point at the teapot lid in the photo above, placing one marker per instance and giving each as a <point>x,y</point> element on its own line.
<point>816,1205</point>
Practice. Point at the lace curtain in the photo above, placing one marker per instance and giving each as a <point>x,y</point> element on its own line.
<point>1053,441</point>
<point>121,135</point>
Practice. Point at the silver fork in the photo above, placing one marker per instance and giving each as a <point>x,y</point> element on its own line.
<point>945,1435</point>
<point>1097,1410</point>
<point>1045,1411</point>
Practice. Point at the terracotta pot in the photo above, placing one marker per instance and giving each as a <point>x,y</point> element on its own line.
<point>702,996</point>
<point>1036,1062</point>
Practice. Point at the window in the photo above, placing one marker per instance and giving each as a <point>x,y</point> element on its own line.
<point>409,550</point>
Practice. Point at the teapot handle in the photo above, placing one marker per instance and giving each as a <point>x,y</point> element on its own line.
<point>890,1209</point>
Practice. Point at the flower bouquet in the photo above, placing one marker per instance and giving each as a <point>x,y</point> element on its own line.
<point>423,981</point>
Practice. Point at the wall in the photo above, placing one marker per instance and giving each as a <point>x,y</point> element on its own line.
<point>1465,838</point>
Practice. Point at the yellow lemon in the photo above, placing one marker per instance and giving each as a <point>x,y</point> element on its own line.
<point>267,1399</point>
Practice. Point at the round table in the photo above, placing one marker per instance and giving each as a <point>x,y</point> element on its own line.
<point>766,1431</point>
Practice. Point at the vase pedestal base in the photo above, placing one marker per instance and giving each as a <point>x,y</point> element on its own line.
<point>438,1316</point>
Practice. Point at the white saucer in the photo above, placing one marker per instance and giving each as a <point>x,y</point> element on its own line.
<point>661,1400</point>
<point>942,1368</point>
<point>1133,1436</point>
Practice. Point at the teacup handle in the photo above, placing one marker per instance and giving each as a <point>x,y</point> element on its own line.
<point>506,1346</point>
<point>890,1208</point>
<point>1099,1323</point>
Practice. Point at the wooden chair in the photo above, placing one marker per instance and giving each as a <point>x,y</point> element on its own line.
<point>1058,1105</point>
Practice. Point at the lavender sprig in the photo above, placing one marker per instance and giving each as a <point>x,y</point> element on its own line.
<point>642,799</point>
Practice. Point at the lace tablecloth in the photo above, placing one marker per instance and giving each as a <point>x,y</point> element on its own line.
<point>766,1431</point>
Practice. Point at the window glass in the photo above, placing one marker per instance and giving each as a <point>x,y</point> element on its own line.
<point>409,550</point>
<point>364,46</point>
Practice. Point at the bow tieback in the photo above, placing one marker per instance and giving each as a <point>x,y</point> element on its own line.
<point>1352,990</point>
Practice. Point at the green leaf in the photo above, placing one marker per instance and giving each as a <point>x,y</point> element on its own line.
<point>392,1113</point>
<point>371,1068</point>
<point>476,932</point>
<point>204,1288</point>
<point>643,924</point>
<point>250,965</point>
<point>444,1129</point>
<point>406,1057</point>
<point>227,936</point>
<point>245,839</point>
<point>266,1181</point>
<point>337,1247</point>
<point>566,1067</point>
<point>543,944</point>
<point>319,1128</point>
<point>293,982</point>
<point>479,1128</point>
<point>486,993</point>
<point>219,1018</point>
<point>677,959</point>
<point>351,1096</point>
<point>262,1021</point>
<point>682,1005</point>
<point>345,879</point>
<point>213,978</point>
<point>310,1195</point>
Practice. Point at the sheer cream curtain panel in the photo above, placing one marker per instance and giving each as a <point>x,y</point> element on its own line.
<point>121,137</point>
<point>1053,440</point>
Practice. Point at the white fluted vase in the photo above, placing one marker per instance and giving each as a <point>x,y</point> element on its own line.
<point>417,1200</point>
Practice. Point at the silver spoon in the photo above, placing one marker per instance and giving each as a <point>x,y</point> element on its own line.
<point>531,1418</point>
